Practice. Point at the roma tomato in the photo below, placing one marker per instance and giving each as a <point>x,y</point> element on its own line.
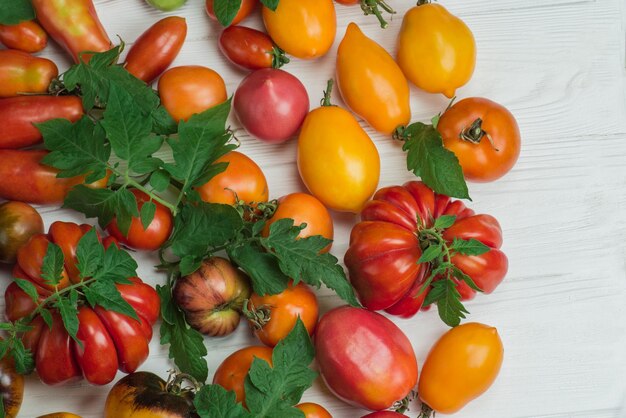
<point>273,316</point>
<point>483,135</point>
<point>156,48</point>
<point>303,28</point>
<point>250,49</point>
<point>337,160</point>
<point>231,374</point>
<point>246,8</point>
<point>21,72</point>
<point>364,358</point>
<point>26,36</point>
<point>18,222</point>
<point>461,366</point>
<point>19,114</point>
<point>190,89</point>
<point>78,31</point>
<point>242,181</point>
<point>313,410</point>
<point>436,50</point>
<point>271,104</point>
<point>371,83</point>
<point>140,238</point>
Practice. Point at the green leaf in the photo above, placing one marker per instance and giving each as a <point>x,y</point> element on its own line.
<point>189,264</point>
<point>24,362</point>
<point>28,288</point>
<point>117,265</point>
<point>52,266</point>
<point>147,213</point>
<point>160,180</point>
<point>445,221</point>
<point>432,252</point>
<point>47,317</point>
<point>263,268</point>
<point>162,122</point>
<point>104,293</point>
<point>89,253</point>
<point>68,309</point>
<point>438,167</point>
<point>469,247</point>
<point>213,401</point>
<point>448,299</point>
<point>270,4</point>
<point>13,12</point>
<point>458,273</point>
<point>226,10</point>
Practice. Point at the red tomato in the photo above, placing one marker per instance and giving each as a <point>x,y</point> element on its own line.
<point>250,49</point>
<point>231,374</point>
<point>21,72</point>
<point>55,361</point>
<point>246,8</point>
<point>26,36</point>
<point>271,104</point>
<point>156,48</point>
<point>364,358</point>
<point>97,356</point>
<point>313,410</point>
<point>150,238</point>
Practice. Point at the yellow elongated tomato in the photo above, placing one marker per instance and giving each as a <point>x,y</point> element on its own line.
<point>371,83</point>
<point>436,50</point>
<point>303,28</point>
<point>461,366</point>
<point>337,160</point>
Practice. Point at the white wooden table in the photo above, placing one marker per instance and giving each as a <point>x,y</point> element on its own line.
<point>559,66</point>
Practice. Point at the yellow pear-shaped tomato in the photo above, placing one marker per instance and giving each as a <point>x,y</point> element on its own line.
<point>303,28</point>
<point>371,83</point>
<point>337,160</point>
<point>436,50</point>
<point>461,366</point>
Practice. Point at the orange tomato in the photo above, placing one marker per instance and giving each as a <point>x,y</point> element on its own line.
<point>246,8</point>
<point>313,410</point>
<point>60,415</point>
<point>21,72</point>
<point>26,36</point>
<point>231,374</point>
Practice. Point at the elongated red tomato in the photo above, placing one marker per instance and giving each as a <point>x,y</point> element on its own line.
<point>96,356</point>
<point>250,49</point>
<point>21,72</point>
<point>54,361</point>
<point>26,36</point>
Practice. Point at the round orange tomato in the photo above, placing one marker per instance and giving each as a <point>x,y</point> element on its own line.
<point>231,374</point>
<point>190,89</point>
<point>274,316</point>
<point>313,410</point>
<point>246,8</point>
<point>242,181</point>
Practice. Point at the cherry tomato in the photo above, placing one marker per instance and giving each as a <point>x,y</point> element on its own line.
<point>21,72</point>
<point>483,135</point>
<point>313,410</point>
<point>303,28</point>
<point>190,89</point>
<point>246,8</point>
<point>242,181</point>
<point>11,388</point>
<point>231,374</point>
<point>250,49</point>
<point>18,222</point>
<point>156,48</point>
<point>461,366</point>
<point>274,316</point>
<point>150,238</point>
<point>26,36</point>
<point>271,104</point>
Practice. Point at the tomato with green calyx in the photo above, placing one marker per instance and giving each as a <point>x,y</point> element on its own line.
<point>18,222</point>
<point>250,49</point>
<point>21,72</point>
<point>27,36</point>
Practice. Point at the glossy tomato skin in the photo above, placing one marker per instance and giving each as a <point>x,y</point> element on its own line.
<point>190,89</point>
<point>243,180</point>
<point>313,410</point>
<point>483,161</point>
<point>151,238</point>
<point>231,374</point>
<point>18,222</point>
<point>26,36</point>
<point>55,361</point>
<point>11,388</point>
<point>246,8</point>
<point>76,32</point>
<point>461,366</point>
<point>247,48</point>
<point>364,358</point>
<point>303,28</point>
<point>96,357</point>
<point>21,72</point>
<point>436,50</point>
<point>156,48</point>
<point>271,104</point>
<point>371,83</point>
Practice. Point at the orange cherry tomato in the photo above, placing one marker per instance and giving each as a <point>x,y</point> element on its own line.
<point>21,72</point>
<point>231,374</point>
<point>242,181</point>
<point>274,316</point>
<point>246,8</point>
<point>26,36</point>
<point>190,89</point>
<point>313,410</point>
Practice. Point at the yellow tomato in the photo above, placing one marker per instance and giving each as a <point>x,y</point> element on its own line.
<point>303,28</point>
<point>436,50</point>
<point>60,415</point>
<point>371,83</point>
<point>461,366</point>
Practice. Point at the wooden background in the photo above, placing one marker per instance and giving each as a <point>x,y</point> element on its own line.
<point>559,66</point>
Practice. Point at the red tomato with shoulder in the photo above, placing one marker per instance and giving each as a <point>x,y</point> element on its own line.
<point>250,49</point>
<point>21,72</point>
<point>231,373</point>
<point>313,410</point>
<point>246,8</point>
<point>26,36</point>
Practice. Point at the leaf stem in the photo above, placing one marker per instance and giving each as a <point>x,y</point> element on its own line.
<point>327,93</point>
<point>134,183</point>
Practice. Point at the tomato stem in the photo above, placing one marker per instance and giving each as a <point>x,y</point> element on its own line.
<point>372,7</point>
<point>422,2</point>
<point>278,57</point>
<point>329,89</point>
<point>426,412</point>
<point>475,133</point>
<point>258,316</point>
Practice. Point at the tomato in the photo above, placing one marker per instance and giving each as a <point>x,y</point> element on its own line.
<point>18,222</point>
<point>436,50</point>
<point>60,415</point>
<point>166,5</point>
<point>250,49</point>
<point>246,8</point>
<point>337,160</point>
<point>271,104</point>
<point>313,410</point>
<point>76,32</point>
<point>156,48</point>
<point>97,357</point>
<point>483,135</point>
<point>371,83</point>
<point>18,114</point>
<point>231,374</point>
<point>384,414</point>
<point>212,297</point>
<point>11,388</point>
<point>26,36</point>
<point>385,247</point>
<point>190,89</point>
<point>21,72</point>
<point>54,361</point>
<point>274,316</point>
<point>364,358</point>
<point>30,259</point>
<point>144,395</point>
<point>151,238</point>
<point>461,366</point>
<point>303,28</point>
<point>242,181</point>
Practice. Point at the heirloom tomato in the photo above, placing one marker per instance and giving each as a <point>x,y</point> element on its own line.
<point>231,374</point>
<point>21,72</point>
<point>313,410</point>
<point>18,222</point>
<point>11,388</point>
<point>250,49</point>
<point>246,8</point>
<point>26,36</point>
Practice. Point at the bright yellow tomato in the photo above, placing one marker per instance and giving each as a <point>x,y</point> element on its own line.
<point>371,83</point>
<point>436,50</point>
<point>303,28</point>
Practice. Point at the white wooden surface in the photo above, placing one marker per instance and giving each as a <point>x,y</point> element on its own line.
<point>559,66</point>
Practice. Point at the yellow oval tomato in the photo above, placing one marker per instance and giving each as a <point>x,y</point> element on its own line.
<point>371,83</point>
<point>436,50</point>
<point>303,28</point>
<point>461,366</point>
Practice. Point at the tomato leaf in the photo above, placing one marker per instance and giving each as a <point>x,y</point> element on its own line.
<point>52,266</point>
<point>445,221</point>
<point>430,254</point>
<point>213,401</point>
<point>68,309</point>
<point>226,10</point>
<point>147,213</point>
<point>270,4</point>
<point>28,288</point>
<point>160,180</point>
<point>15,11</point>
<point>47,317</point>
<point>89,253</point>
<point>448,299</point>
<point>458,273</point>
<point>469,247</point>
<point>117,265</point>
<point>23,358</point>
<point>105,294</point>
<point>262,267</point>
